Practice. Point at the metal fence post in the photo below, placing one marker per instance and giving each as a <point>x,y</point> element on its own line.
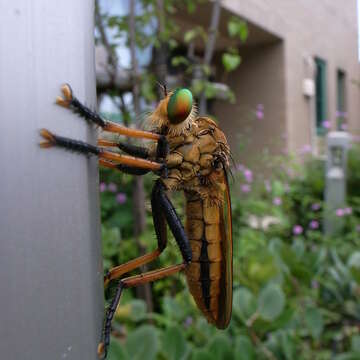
<point>335,180</point>
<point>50,251</point>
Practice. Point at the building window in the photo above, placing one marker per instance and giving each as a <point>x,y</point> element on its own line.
<point>321,101</point>
<point>341,100</point>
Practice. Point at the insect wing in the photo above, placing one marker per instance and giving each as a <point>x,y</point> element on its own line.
<point>227,252</point>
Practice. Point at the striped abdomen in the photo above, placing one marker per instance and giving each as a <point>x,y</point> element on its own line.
<point>207,274</point>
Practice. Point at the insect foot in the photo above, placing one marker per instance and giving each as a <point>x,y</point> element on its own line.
<point>49,139</point>
<point>101,352</point>
<point>68,96</point>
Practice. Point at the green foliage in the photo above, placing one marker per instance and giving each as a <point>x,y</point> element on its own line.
<point>231,61</point>
<point>238,28</point>
<point>141,344</point>
<point>271,302</point>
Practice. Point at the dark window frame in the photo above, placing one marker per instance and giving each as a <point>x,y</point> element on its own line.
<point>341,98</point>
<point>321,101</point>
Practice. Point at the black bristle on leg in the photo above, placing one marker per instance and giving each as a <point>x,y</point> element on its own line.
<point>110,314</point>
<point>134,150</point>
<point>162,148</point>
<point>80,109</point>
<point>132,170</point>
<point>76,145</point>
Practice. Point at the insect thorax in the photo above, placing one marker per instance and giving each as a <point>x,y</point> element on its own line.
<point>197,158</point>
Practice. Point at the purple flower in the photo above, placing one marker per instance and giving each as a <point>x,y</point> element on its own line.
<point>248,175</point>
<point>277,201</point>
<point>314,224</point>
<point>121,198</point>
<point>348,211</point>
<point>245,188</point>
<point>102,187</point>
<point>340,212</point>
<point>306,149</point>
<point>326,124</point>
<point>112,187</point>
<point>297,230</point>
<point>315,207</point>
<point>188,321</point>
<point>259,111</point>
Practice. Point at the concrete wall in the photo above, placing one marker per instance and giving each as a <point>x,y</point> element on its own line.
<point>259,80</point>
<point>323,28</point>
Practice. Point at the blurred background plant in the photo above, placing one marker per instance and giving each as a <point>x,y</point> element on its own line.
<point>296,292</point>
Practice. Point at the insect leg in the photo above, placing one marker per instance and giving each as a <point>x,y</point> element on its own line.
<point>160,229</point>
<point>129,282</point>
<point>173,220</point>
<point>71,102</point>
<point>122,269</point>
<point>130,149</point>
<point>88,149</point>
<point>163,211</point>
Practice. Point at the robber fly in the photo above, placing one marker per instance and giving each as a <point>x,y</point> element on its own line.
<point>191,154</point>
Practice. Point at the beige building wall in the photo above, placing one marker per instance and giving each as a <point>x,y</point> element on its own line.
<point>259,81</point>
<point>273,74</point>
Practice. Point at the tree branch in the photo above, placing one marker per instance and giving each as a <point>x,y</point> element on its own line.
<point>112,58</point>
<point>210,47</point>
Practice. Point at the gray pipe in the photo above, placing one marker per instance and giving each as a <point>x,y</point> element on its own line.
<point>51,302</point>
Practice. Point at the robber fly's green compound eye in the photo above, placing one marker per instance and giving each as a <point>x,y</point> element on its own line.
<point>179,105</point>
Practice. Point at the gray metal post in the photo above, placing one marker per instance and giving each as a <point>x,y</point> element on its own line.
<point>51,302</point>
<point>335,181</point>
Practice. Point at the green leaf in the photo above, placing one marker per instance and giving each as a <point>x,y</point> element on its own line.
<point>314,322</point>
<point>231,61</point>
<point>238,27</point>
<point>348,356</point>
<point>142,343</point>
<point>172,309</point>
<point>220,347</point>
<point>244,349</point>
<point>298,246</point>
<point>355,343</point>
<point>138,309</point>
<point>271,302</point>
<point>174,344</point>
<point>287,345</point>
<point>189,35</point>
<point>202,355</point>
<point>191,6</point>
<point>244,304</point>
<point>116,351</point>
<point>179,60</point>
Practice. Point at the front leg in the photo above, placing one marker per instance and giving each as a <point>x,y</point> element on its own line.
<point>69,101</point>
<point>108,158</point>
